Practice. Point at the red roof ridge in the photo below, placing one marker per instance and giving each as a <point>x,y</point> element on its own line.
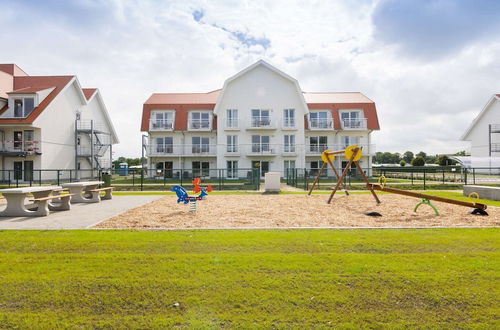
<point>30,89</point>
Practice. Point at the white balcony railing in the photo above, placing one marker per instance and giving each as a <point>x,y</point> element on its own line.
<point>320,124</point>
<point>289,123</point>
<point>182,150</point>
<point>261,123</point>
<point>354,124</point>
<point>161,124</point>
<point>316,149</point>
<point>232,124</point>
<point>263,149</point>
<point>25,146</point>
<point>199,124</point>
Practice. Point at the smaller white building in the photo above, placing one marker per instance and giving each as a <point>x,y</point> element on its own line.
<point>51,127</point>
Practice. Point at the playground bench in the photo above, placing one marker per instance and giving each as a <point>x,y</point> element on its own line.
<point>64,201</point>
<point>96,193</point>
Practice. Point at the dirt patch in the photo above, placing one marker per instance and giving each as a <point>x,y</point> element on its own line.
<point>274,211</point>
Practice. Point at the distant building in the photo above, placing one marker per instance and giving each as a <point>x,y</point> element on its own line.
<point>51,123</point>
<point>259,119</point>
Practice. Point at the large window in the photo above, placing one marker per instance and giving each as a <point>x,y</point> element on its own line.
<point>232,118</point>
<point>200,145</point>
<point>318,144</point>
<point>352,119</point>
<point>260,143</point>
<point>288,166</point>
<point>320,119</point>
<point>289,145</point>
<point>260,118</point>
<point>162,120</point>
<point>23,107</point>
<point>232,143</point>
<point>201,169</point>
<point>349,140</point>
<point>232,169</point>
<point>199,120</point>
<point>289,118</point>
<point>165,145</point>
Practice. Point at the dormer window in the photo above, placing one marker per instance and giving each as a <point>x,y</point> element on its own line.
<point>23,106</point>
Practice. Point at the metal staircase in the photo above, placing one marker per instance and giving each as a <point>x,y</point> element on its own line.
<point>92,143</point>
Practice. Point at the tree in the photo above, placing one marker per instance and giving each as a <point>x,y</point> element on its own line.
<point>418,161</point>
<point>444,160</point>
<point>421,154</point>
<point>402,163</point>
<point>408,156</point>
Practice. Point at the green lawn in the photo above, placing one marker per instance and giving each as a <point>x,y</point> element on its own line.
<point>429,278</point>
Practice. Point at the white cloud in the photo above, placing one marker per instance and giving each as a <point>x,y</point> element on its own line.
<point>132,49</point>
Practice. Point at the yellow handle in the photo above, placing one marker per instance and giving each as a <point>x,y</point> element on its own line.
<point>473,195</point>
<point>382,180</point>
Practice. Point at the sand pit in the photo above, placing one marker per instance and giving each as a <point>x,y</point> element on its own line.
<point>279,211</point>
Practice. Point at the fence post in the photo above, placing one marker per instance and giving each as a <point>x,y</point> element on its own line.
<point>424,178</point>
<point>474,176</point>
<point>465,175</point>
<point>142,179</point>
<point>443,176</point>
<point>220,179</point>
<point>305,179</point>
<point>9,177</point>
<point>57,177</point>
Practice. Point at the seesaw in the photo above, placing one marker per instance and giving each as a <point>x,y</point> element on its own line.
<point>353,153</point>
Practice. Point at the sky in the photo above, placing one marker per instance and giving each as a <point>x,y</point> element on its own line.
<point>429,65</point>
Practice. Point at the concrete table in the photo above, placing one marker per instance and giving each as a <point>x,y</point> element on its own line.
<point>81,191</point>
<point>15,198</point>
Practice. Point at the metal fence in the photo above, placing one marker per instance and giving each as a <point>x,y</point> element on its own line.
<point>413,177</point>
<point>135,179</point>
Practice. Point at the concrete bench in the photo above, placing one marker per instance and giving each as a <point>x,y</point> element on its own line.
<point>64,204</point>
<point>96,193</point>
<point>491,193</point>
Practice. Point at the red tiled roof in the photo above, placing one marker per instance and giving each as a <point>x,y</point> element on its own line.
<point>26,90</point>
<point>12,69</point>
<point>22,82</point>
<point>88,92</point>
<point>184,98</point>
<point>341,97</point>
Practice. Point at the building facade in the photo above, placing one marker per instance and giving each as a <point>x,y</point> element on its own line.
<point>259,119</point>
<point>50,123</point>
<point>484,131</point>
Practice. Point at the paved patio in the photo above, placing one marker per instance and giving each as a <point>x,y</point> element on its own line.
<point>80,216</point>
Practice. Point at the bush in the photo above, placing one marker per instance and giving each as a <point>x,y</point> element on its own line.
<point>402,163</point>
<point>418,161</point>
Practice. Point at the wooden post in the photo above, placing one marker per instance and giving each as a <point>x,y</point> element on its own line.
<point>317,178</point>
<point>367,182</point>
<point>337,175</point>
<point>344,173</point>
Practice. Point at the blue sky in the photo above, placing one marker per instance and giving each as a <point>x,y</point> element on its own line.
<point>430,66</point>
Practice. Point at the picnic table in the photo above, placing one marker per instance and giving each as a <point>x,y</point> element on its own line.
<point>82,191</point>
<point>16,197</point>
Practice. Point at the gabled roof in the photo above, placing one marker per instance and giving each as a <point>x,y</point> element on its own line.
<point>88,92</point>
<point>28,90</point>
<point>184,98</point>
<point>493,98</point>
<point>268,66</point>
<point>36,82</point>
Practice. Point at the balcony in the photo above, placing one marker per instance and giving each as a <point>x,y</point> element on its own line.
<point>368,149</point>
<point>495,147</point>
<point>354,124</point>
<point>262,149</point>
<point>232,124</point>
<point>177,150</point>
<point>289,150</point>
<point>261,123</point>
<point>231,150</point>
<point>316,149</point>
<point>320,124</point>
<point>20,148</point>
<point>289,124</point>
<point>199,125</point>
<point>161,125</point>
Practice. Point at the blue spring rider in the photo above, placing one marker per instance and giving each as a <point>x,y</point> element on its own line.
<point>183,196</point>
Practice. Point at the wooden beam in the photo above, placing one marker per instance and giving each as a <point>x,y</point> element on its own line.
<point>317,178</point>
<point>344,173</point>
<point>367,182</point>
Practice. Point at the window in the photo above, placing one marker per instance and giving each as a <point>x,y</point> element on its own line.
<point>289,143</point>
<point>29,143</point>
<point>201,169</point>
<point>200,145</point>
<point>199,120</point>
<point>232,169</point>
<point>163,120</point>
<point>18,140</point>
<point>260,143</point>
<point>18,170</point>
<point>23,107</point>
<point>232,143</point>
<point>315,166</point>
<point>320,119</point>
<point>260,118</point>
<point>288,165</point>
<point>318,144</point>
<point>351,119</point>
<point>289,118</point>
<point>165,145</point>
<point>232,118</point>
<point>349,140</point>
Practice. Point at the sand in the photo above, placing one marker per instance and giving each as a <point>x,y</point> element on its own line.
<point>281,211</point>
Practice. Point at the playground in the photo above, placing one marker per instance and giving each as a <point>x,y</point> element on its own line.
<point>297,210</point>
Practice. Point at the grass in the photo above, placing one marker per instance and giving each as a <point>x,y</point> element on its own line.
<point>432,278</point>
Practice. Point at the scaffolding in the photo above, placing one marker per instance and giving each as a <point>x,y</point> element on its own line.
<point>493,147</point>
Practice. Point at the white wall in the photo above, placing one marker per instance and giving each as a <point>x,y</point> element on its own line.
<point>479,135</point>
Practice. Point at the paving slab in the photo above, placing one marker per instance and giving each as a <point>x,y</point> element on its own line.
<point>81,215</point>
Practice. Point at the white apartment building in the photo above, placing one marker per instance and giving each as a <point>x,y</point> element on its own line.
<point>260,118</point>
<point>50,123</point>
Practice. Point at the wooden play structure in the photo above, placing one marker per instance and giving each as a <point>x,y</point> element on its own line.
<point>353,154</point>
